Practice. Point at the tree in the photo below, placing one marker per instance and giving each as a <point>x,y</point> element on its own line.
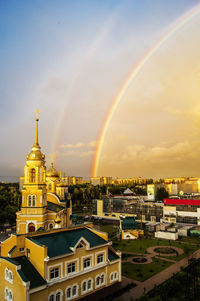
<point>161,194</point>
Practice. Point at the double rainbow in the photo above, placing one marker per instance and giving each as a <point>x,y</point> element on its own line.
<point>134,72</point>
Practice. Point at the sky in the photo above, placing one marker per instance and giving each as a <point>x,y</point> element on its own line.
<point>69,59</point>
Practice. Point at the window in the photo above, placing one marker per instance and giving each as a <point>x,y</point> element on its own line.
<point>71,268</point>
<point>100,258</point>
<point>50,186</point>
<point>54,273</point>
<point>102,279</point>
<point>33,200</point>
<point>74,291</point>
<point>79,246</point>
<point>6,293</point>
<point>29,200</point>
<point>89,284</point>
<point>111,277</point>
<point>8,275</point>
<point>58,296</point>
<point>98,281</point>
<point>86,263</point>
<point>68,293</point>
<point>51,226</point>
<point>21,249</point>
<point>51,298</point>
<point>32,175</point>
<point>84,286</point>
<point>116,276</point>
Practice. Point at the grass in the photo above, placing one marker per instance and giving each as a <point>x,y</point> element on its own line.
<point>142,272</point>
<point>140,246</point>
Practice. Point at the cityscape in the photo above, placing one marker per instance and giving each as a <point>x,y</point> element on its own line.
<point>99,165</point>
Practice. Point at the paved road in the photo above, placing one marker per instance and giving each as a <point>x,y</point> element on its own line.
<point>159,278</point>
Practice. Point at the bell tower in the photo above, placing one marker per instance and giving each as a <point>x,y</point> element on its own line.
<point>34,195</point>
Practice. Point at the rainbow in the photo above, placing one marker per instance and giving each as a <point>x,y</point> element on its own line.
<point>134,72</point>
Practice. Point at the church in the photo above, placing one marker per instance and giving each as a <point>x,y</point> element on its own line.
<point>49,259</point>
<point>46,203</point>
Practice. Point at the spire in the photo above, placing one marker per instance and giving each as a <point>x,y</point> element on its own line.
<point>36,130</point>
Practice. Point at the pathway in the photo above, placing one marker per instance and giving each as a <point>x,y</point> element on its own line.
<point>157,279</point>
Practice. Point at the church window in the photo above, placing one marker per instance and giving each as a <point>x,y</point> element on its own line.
<point>54,273</point>
<point>33,200</point>
<point>111,277</point>
<point>84,287</point>
<point>102,279</point>
<point>87,263</point>
<point>29,200</point>
<point>98,281</point>
<point>89,284</point>
<point>71,268</point>
<point>58,296</point>
<point>32,175</point>
<point>68,293</point>
<point>51,298</point>
<point>100,258</point>
<point>74,291</point>
<point>80,246</point>
<point>51,226</point>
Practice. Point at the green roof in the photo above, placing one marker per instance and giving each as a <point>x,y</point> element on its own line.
<point>11,250</point>
<point>29,273</point>
<point>129,223</point>
<point>54,207</point>
<point>112,255</point>
<point>59,243</point>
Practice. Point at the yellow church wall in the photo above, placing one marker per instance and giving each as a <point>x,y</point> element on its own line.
<point>37,256</point>
<point>78,280</point>
<point>17,287</point>
<point>7,245</point>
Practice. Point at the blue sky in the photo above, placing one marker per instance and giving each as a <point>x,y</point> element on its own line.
<point>69,59</point>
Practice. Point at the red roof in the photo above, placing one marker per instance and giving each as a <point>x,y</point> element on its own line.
<point>181,202</point>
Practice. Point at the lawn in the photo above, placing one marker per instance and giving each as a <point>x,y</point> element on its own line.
<point>142,272</point>
<point>140,246</point>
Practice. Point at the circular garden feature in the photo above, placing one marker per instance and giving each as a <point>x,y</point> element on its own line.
<point>139,259</point>
<point>165,250</point>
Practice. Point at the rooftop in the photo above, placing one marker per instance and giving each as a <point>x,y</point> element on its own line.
<point>59,243</point>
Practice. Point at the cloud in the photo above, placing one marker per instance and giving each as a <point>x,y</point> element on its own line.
<point>72,146</point>
<point>92,144</point>
<point>87,154</point>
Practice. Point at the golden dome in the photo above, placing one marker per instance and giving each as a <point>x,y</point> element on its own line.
<point>36,153</point>
<point>52,172</point>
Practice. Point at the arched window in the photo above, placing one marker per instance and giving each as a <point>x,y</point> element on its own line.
<point>51,298</point>
<point>116,275</point>
<point>102,279</point>
<point>10,296</point>
<point>31,227</point>
<point>58,296</point>
<point>97,281</point>
<point>29,200</point>
<point>84,286</point>
<point>89,284</point>
<point>111,277</point>
<point>68,293</point>
<point>50,226</point>
<point>32,175</point>
<point>74,291</point>
<point>33,200</point>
